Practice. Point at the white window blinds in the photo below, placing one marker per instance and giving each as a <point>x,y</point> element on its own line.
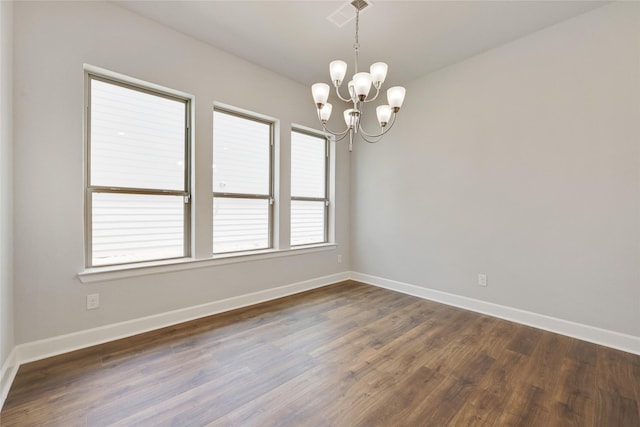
<point>137,181</point>
<point>308,189</point>
<point>137,139</point>
<point>242,183</point>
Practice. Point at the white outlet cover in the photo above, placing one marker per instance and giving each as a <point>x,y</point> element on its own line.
<point>482,279</point>
<point>93,301</point>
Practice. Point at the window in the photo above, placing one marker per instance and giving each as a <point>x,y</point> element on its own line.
<point>309,185</point>
<point>137,179</point>
<point>242,182</point>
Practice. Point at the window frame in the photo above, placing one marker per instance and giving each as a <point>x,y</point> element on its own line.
<point>93,189</point>
<point>326,199</point>
<point>245,196</point>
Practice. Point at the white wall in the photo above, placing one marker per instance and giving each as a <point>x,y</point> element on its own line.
<point>54,40</point>
<point>6,186</point>
<point>522,163</point>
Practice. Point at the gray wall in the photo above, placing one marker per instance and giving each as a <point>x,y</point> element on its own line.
<point>6,182</point>
<point>55,39</point>
<point>522,163</point>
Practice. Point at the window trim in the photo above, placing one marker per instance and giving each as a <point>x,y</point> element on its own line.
<point>326,199</point>
<point>124,271</point>
<point>243,114</point>
<point>91,73</point>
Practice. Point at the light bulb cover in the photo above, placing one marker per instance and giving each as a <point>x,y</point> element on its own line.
<point>325,112</point>
<point>320,92</point>
<point>337,70</point>
<point>362,85</point>
<point>395,96</point>
<point>384,114</point>
<point>378,73</point>
<point>349,117</point>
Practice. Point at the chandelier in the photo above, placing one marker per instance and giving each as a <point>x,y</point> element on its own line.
<point>359,88</point>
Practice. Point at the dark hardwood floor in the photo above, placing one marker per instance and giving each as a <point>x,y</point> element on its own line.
<point>344,355</point>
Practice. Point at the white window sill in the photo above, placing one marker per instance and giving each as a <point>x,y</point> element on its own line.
<point>103,274</point>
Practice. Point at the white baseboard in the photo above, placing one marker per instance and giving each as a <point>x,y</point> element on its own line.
<point>7,374</point>
<point>628,343</point>
<point>41,349</point>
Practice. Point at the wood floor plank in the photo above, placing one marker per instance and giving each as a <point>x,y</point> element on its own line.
<point>635,369</point>
<point>574,398</point>
<point>616,410</point>
<point>489,401</point>
<point>411,396</point>
<point>527,408</point>
<point>616,373</point>
<point>541,369</point>
<point>525,340</point>
<point>450,396</point>
<point>583,352</point>
<point>164,410</point>
<point>348,354</point>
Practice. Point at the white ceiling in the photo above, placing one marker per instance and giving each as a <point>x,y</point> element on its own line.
<point>294,38</point>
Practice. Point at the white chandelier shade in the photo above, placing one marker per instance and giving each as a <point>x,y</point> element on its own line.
<point>359,93</point>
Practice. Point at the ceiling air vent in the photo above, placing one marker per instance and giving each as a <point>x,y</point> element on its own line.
<point>347,12</point>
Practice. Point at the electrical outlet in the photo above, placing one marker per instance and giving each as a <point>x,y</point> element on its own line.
<point>93,301</point>
<point>482,279</point>
<point>339,259</point>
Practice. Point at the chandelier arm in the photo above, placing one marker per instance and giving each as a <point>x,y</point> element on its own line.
<point>339,135</point>
<point>373,139</point>
<point>370,141</point>
<point>386,129</point>
<point>340,96</point>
